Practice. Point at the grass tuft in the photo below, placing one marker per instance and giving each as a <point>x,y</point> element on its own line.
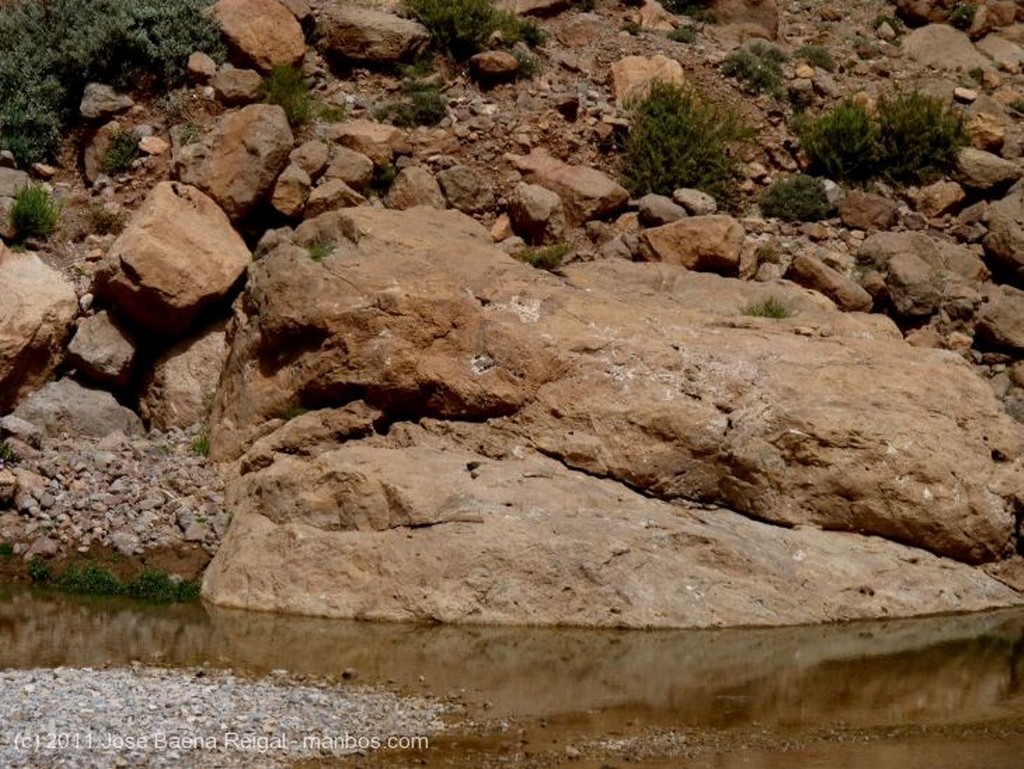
<point>770,307</point>
<point>34,213</point>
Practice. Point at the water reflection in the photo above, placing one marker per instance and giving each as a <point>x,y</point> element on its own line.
<point>923,671</point>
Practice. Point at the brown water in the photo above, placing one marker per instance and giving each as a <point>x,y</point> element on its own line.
<point>943,693</point>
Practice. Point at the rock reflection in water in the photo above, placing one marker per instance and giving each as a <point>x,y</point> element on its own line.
<point>925,670</point>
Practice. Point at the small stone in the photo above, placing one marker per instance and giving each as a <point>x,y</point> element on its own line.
<point>965,95</point>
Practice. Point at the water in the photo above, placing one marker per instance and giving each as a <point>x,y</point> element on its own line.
<point>943,693</point>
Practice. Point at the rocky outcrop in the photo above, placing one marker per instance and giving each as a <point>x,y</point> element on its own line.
<point>261,32</point>
<point>178,255</point>
<point>473,419</point>
<point>37,307</point>
<point>367,35</point>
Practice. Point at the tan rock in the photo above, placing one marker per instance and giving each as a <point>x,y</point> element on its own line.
<point>867,211</point>
<point>980,170</point>
<point>811,272</point>
<point>154,145</point>
<point>291,191</point>
<point>102,351</point>
<point>1001,321</point>
<point>491,67</point>
<point>353,168</point>
<point>702,243</point>
<point>632,75</point>
<point>586,193</point>
<point>329,195</point>
<point>415,186</point>
<point>237,86</point>
<point>653,16</point>
<point>37,307</point>
<point>763,14</point>
<point>943,47</point>
<point>466,189</point>
<point>65,407</point>
<point>536,213</point>
<point>179,390</point>
<point>238,163</point>
<point>1005,55</point>
<point>1004,244</point>
<point>96,149</point>
<point>311,156</point>
<point>367,35</point>
<point>178,255</point>
<point>201,67</point>
<point>376,141</point>
<point>263,32</point>
<point>987,132</point>
<point>940,198</point>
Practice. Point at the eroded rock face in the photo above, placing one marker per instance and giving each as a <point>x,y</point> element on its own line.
<point>179,391</point>
<point>263,32</point>
<point>178,255</point>
<point>490,414</point>
<point>37,307</point>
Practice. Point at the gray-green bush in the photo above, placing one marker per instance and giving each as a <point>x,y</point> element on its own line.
<point>464,27</point>
<point>797,199</point>
<point>51,49</point>
<point>34,213</point>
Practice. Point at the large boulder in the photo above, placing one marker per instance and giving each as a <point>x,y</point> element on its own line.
<point>537,214</point>
<point>983,171</point>
<point>1004,244</point>
<point>368,36</point>
<point>586,193</point>
<point>179,390</point>
<point>177,256</point>
<point>943,47</point>
<point>37,308</point>
<point>809,271</point>
<point>1001,321</point>
<point>102,350</point>
<point>238,163</point>
<point>632,75</point>
<point>65,407</point>
<point>377,141</point>
<point>642,381</point>
<point>705,243</point>
<point>261,32</point>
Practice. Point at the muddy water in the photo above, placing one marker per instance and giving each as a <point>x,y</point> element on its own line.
<point>935,692</point>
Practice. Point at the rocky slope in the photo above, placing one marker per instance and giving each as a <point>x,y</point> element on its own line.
<point>412,423</point>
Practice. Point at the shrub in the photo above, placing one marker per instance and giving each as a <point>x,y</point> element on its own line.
<point>962,15</point>
<point>6,550</point>
<point>34,213</point>
<point>121,152</point>
<point>842,144</point>
<point>797,199</point>
<point>106,221</point>
<point>8,456</point>
<point>201,443</point>
<point>771,307</point>
<point>286,87</point>
<point>546,258</point>
<point>148,585</point>
<point>695,9</point>
<point>464,27</point>
<point>818,56</point>
<point>683,34</point>
<point>38,569</point>
<point>679,139</point>
<point>319,250</point>
<point>894,22</point>
<point>52,49</point>
<point>758,66</point>
<point>422,105</point>
<point>919,136</point>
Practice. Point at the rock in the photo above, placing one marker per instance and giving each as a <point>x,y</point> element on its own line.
<point>867,211</point>
<point>586,193</point>
<point>943,47</point>
<point>368,36</point>
<point>100,100</point>
<point>12,180</point>
<point>177,256</point>
<point>761,14</point>
<point>1004,244</point>
<point>983,171</point>
<point>96,149</point>
<point>102,351</point>
<point>653,16</point>
<point>261,32</point>
<point>66,407</point>
<point>940,198</point>
<point>924,11</point>
<point>414,186</point>
<point>542,434</point>
<point>695,202</point>
<point>987,132</point>
<point>537,214</point>
<point>291,191</point>
<point>702,243</point>
<point>311,156</point>
<point>466,190</point>
<point>1005,55</point>
<point>329,195</point>
<point>1001,322</point>
<point>632,76</point>
<point>201,67</point>
<point>153,145</point>
<point>353,168</point>
<point>535,7</point>
<point>237,86</point>
<point>492,67</point>
<point>179,390</point>
<point>656,210</point>
<point>811,272</point>
<point>377,141</point>
<point>37,307</point>
<point>240,160</point>
<point>26,432</point>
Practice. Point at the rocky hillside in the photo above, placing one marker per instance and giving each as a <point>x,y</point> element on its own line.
<point>598,313</point>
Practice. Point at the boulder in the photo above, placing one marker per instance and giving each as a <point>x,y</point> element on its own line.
<point>368,36</point>
<point>37,308</point>
<point>702,243</point>
<point>12,180</point>
<point>179,390</point>
<point>1005,55</point>
<point>506,433</point>
<point>983,171</point>
<point>586,193</point>
<point>99,100</point>
<point>537,214</point>
<point>943,47</point>
<point>632,76</point>
<point>238,163</point>
<point>65,407</point>
<point>466,190</point>
<point>696,202</point>
<point>235,86</point>
<point>177,256</point>
<point>102,351</point>
<point>986,131</point>
<point>1001,321</point>
<point>291,191</point>
<point>377,141</point>
<point>263,33</point>
<point>1004,244</point>
<point>311,156</point>
<point>655,210</point>
<point>811,272</point>
<point>414,186</point>
<point>492,67</point>
<point>329,195</point>
<point>353,168</point>
<point>939,198</point>
<point>867,211</point>
<point>762,15</point>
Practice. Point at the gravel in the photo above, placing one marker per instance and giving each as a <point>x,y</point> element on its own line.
<point>155,717</point>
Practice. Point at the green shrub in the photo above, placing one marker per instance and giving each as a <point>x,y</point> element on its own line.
<point>8,456</point>
<point>797,199</point>
<point>771,307</point>
<point>104,221</point>
<point>34,213</point>
<point>919,136</point>
<point>683,34</point>
<point>893,21</point>
<point>38,570</point>
<point>286,87</point>
<point>320,249</point>
<point>546,257</point>
<point>6,550</point>
<point>1017,105</point>
<point>52,49</point>
<point>527,64</point>
<point>962,15</point>
<point>121,152</point>
<point>464,27</point>
<point>201,443</point>
<point>148,585</point>
<point>422,104</point>
<point>817,56</point>
<point>758,66</point>
<point>842,144</point>
<point>695,9</point>
<point>680,139</point>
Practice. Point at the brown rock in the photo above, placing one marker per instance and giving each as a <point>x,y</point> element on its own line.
<point>178,255</point>
<point>37,307</point>
<point>237,86</point>
<point>102,351</point>
<point>987,132</point>
<point>376,141</point>
<point>366,35</point>
<point>291,191</point>
<point>353,168</point>
<point>491,67</point>
<point>311,156</point>
<point>943,47</point>
<point>101,100</point>
<point>811,272</point>
<point>65,407</point>
<point>239,162</point>
<point>414,186</point>
<point>201,67</point>
<point>983,171</point>
<point>466,190</point>
<point>329,195</point>
<point>96,149</point>
<point>940,198</point>
<point>632,76</point>
<point>1004,244</point>
<point>586,193</point>
<point>702,243</point>
<point>867,211</point>
<point>180,387</point>
<point>1001,321</point>
<point>262,32</point>
<point>760,13</point>
<point>537,214</point>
